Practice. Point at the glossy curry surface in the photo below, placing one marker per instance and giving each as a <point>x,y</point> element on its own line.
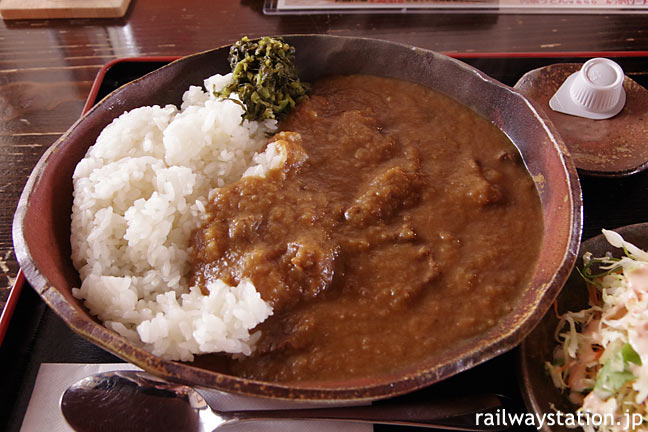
<point>401,224</point>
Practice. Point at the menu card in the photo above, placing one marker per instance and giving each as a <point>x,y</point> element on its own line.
<point>456,6</point>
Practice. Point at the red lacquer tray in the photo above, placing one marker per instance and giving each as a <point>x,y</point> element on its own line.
<point>35,335</point>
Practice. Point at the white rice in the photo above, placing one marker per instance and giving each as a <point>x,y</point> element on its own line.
<point>138,194</point>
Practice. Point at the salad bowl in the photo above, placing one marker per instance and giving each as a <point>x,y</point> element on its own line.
<point>542,398</point>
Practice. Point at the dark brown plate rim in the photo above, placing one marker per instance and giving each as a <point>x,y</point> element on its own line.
<point>358,390</point>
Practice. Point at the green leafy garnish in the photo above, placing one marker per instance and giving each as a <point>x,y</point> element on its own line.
<point>264,77</point>
<point>609,382</point>
<point>614,373</point>
<point>593,264</point>
<point>630,355</point>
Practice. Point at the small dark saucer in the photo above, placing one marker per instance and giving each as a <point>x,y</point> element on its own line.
<point>614,147</point>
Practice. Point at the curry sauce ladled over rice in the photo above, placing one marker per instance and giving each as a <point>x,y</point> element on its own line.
<point>395,224</point>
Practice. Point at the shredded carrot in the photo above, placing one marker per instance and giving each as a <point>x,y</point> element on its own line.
<point>593,295</point>
<point>570,380</point>
<point>555,306</point>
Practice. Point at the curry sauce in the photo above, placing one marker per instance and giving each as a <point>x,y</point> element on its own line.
<point>401,223</point>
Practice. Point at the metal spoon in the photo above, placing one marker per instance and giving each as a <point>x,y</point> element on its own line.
<point>136,401</point>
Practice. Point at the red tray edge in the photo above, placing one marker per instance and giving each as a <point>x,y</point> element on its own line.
<point>96,84</point>
<point>12,300</point>
<point>94,90</point>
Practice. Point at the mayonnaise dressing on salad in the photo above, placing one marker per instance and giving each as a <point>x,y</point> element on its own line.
<point>602,356</point>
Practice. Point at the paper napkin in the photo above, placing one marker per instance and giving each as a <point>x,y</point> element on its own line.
<point>44,414</point>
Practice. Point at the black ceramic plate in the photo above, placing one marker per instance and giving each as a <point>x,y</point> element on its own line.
<point>41,225</point>
<point>537,388</point>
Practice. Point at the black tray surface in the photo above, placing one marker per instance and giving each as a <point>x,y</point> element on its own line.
<point>36,335</point>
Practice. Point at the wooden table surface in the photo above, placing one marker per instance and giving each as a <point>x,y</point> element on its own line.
<point>47,66</point>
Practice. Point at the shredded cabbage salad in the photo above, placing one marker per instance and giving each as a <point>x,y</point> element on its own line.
<point>602,355</point>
